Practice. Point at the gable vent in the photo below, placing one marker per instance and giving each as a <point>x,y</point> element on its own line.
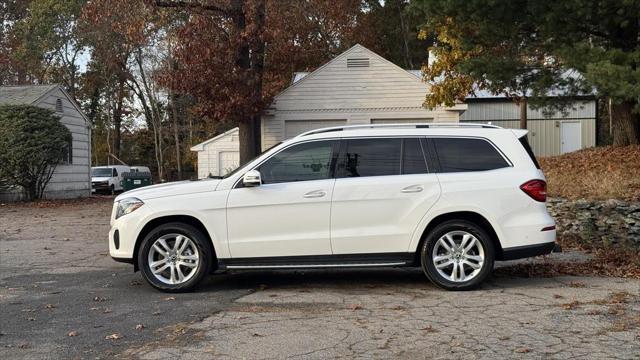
<point>59,107</point>
<point>357,62</point>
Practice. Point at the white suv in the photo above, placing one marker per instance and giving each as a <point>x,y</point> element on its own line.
<point>447,197</point>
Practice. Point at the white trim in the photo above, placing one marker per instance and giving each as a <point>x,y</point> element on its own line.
<point>200,146</point>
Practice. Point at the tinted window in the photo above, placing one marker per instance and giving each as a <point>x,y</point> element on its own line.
<point>308,161</point>
<point>525,144</point>
<point>115,172</point>
<point>372,157</point>
<point>457,154</point>
<point>413,161</point>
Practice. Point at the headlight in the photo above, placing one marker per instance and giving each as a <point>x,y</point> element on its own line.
<point>128,205</point>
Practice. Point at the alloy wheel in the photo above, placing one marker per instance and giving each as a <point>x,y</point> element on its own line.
<point>458,256</point>
<point>173,259</point>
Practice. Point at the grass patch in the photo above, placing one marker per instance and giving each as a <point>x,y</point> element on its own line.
<point>608,172</point>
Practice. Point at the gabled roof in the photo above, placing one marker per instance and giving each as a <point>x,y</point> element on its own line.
<point>301,77</point>
<point>32,94</point>
<point>200,147</point>
<point>24,94</point>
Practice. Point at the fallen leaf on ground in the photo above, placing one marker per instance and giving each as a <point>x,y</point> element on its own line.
<point>50,306</point>
<point>355,307</point>
<point>98,298</point>
<point>114,336</point>
<point>258,335</point>
<point>72,333</point>
<point>570,306</point>
<point>139,327</point>
<point>170,298</point>
<point>523,350</point>
<point>556,296</point>
<point>106,311</point>
<point>31,319</point>
<point>503,338</point>
<point>428,328</point>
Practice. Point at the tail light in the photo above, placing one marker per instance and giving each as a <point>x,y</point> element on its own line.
<point>536,189</point>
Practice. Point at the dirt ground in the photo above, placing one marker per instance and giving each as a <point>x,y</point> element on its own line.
<point>61,296</point>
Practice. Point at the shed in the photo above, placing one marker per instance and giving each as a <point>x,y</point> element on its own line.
<point>219,155</point>
<point>550,133</point>
<point>72,178</point>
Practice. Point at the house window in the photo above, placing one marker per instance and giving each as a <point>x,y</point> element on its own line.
<point>67,154</point>
<point>59,107</point>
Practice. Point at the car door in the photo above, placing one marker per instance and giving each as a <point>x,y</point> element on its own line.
<point>289,213</point>
<point>382,191</point>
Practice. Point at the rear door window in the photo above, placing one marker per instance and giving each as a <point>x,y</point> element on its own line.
<point>413,160</point>
<point>467,154</point>
<point>371,157</point>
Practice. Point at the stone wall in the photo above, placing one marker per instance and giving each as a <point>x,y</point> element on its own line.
<point>608,221</point>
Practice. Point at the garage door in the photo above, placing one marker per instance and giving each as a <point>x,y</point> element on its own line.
<point>229,160</point>
<point>400,121</point>
<point>297,127</point>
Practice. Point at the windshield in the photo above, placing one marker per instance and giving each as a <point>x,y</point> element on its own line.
<point>243,166</point>
<point>100,172</point>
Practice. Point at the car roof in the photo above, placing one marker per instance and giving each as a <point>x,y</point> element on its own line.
<point>432,129</point>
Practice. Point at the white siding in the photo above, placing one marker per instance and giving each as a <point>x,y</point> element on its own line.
<point>336,94</point>
<point>296,127</point>
<point>71,180</point>
<point>216,155</point>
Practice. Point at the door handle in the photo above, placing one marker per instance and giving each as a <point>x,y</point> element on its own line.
<point>315,194</point>
<point>412,189</point>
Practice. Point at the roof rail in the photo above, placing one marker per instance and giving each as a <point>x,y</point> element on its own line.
<point>405,125</point>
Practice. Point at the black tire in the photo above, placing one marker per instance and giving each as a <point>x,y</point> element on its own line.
<point>112,190</point>
<point>204,265</point>
<point>439,231</point>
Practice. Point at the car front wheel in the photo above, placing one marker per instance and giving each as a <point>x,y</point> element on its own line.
<point>174,257</point>
<point>457,255</point>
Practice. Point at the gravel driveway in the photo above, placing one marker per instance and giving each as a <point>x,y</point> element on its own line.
<point>61,296</point>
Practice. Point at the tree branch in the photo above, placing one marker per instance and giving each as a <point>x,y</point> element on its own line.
<point>183,4</point>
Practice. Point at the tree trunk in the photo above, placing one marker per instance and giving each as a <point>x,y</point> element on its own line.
<point>405,38</point>
<point>176,133</point>
<point>247,141</point>
<point>117,118</point>
<point>523,112</point>
<point>625,124</point>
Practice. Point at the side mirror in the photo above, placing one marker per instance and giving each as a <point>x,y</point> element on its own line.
<point>252,178</point>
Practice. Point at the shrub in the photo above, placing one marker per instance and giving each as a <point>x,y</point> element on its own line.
<point>32,144</point>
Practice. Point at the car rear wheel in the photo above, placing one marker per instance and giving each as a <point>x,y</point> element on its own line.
<point>457,255</point>
<point>175,257</point>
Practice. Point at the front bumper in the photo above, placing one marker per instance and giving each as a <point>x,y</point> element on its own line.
<point>124,233</point>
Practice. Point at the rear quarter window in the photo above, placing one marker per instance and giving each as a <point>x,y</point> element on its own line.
<point>467,154</point>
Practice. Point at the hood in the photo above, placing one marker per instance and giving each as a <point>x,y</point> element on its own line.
<point>171,189</point>
<point>100,178</point>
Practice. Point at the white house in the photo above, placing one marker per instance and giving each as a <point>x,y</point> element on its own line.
<point>356,87</point>
<point>219,155</point>
<point>72,178</point>
<point>360,87</point>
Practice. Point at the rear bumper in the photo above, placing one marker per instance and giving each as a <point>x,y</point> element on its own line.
<point>526,251</point>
